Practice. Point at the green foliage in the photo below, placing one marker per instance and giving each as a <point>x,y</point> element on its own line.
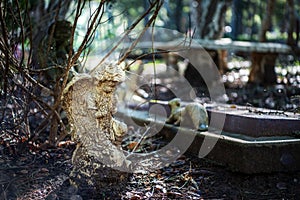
<point>253,12</point>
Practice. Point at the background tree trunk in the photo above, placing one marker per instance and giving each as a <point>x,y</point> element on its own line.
<point>236,21</point>
<point>178,16</point>
<point>42,17</point>
<point>208,18</point>
<point>262,67</point>
<point>292,24</point>
<point>267,21</point>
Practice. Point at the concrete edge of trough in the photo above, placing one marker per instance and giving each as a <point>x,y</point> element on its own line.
<point>238,152</point>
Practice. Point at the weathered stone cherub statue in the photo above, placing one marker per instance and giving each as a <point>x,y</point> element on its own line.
<point>90,103</point>
<point>193,112</point>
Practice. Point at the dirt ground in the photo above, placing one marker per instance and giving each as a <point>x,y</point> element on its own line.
<point>44,175</point>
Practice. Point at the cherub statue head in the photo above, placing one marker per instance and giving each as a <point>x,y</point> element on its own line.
<point>108,75</point>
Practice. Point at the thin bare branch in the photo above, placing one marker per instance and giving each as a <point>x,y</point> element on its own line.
<point>22,33</point>
<point>126,34</point>
<point>53,27</point>
<point>6,47</point>
<point>151,20</point>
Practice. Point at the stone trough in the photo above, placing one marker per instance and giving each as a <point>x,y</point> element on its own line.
<point>253,140</point>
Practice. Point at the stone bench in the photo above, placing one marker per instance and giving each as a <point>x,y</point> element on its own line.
<point>263,55</point>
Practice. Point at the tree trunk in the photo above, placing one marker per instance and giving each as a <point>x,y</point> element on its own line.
<point>265,26</point>
<point>46,21</point>
<point>291,23</point>
<point>41,18</point>
<point>237,16</point>
<point>208,18</point>
<point>177,16</point>
<point>262,67</point>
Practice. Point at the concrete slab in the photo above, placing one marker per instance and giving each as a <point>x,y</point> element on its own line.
<point>257,122</point>
<point>238,152</point>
